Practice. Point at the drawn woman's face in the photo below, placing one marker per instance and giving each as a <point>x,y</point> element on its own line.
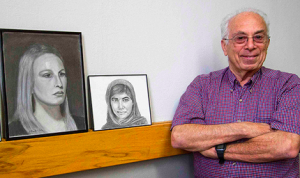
<point>50,79</point>
<point>121,105</point>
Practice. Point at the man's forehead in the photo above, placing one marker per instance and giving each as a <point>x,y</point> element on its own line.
<point>247,21</point>
<point>243,33</point>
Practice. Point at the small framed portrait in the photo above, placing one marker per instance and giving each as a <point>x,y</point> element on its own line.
<point>119,101</point>
<point>42,83</point>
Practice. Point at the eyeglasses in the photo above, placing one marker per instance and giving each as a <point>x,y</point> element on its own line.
<point>243,39</point>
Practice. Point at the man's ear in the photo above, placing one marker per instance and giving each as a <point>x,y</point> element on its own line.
<point>224,47</point>
<point>268,43</point>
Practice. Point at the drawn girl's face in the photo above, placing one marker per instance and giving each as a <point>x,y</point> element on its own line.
<point>121,105</point>
<point>50,79</point>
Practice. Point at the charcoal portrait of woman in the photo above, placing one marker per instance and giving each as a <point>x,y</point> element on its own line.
<point>42,101</point>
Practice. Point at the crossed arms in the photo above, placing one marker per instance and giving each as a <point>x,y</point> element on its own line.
<point>263,145</point>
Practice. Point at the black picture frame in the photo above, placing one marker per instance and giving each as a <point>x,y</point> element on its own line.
<point>102,112</point>
<point>16,45</point>
<point>1,117</point>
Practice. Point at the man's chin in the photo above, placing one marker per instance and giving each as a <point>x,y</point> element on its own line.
<point>250,67</point>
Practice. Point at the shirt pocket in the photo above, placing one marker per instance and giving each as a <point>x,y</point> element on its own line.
<point>219,115</point>
<point>265,108</point>
<point>264,115</point>
<point>263,119</point>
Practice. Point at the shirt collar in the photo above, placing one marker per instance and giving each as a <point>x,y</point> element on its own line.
<point>231,78</point>
<point>250,83</point>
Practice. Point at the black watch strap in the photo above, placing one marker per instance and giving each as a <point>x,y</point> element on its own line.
<point>220,152</point>
<point>221,157</point>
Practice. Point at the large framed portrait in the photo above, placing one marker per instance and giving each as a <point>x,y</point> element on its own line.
<point>119,101</point>
<point>1,123</point>
<point>42,83</point>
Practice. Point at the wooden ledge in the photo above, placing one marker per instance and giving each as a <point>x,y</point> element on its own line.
<point>47,156</point>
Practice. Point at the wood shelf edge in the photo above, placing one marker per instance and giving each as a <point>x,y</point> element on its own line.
<point>47,156</point>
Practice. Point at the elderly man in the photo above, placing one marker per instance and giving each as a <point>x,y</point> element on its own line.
<point>244,120</point>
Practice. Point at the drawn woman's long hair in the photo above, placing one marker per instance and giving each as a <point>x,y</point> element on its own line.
<point>25,101</point>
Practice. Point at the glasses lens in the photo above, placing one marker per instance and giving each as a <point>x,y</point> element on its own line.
<point>240,39</point>
<point>259,38</point>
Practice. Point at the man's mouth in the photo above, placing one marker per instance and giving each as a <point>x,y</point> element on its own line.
<point>249,56</point>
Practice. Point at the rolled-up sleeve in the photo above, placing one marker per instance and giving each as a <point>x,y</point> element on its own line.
<point>190,108</point>
<point>287,115</point>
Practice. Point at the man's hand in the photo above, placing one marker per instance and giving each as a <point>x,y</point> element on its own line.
<point>252,129</point>
<point>210,153</point>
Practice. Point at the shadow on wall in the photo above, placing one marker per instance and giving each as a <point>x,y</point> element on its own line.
<point>176,166</point>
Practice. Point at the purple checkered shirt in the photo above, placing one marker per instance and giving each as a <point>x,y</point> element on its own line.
<point>270,96</point>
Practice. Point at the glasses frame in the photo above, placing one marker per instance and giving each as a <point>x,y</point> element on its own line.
<point>244,43</point>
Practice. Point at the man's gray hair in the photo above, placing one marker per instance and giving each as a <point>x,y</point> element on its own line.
<point>225,21</point>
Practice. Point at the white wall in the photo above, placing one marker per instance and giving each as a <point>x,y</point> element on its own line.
<point>171,41</point>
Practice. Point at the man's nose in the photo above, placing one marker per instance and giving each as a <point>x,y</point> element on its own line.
<point>250,43</point>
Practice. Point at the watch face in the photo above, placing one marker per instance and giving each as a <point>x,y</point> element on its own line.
<point>219,147</point>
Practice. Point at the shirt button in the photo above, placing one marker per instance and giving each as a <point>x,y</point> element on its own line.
<point>240,100</point>
<point>231,90</point>
<point>233,164</point>
<point>250,91</point>
<point>239,120</point>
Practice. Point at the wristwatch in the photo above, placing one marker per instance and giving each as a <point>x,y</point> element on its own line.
<point>220,152</point>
